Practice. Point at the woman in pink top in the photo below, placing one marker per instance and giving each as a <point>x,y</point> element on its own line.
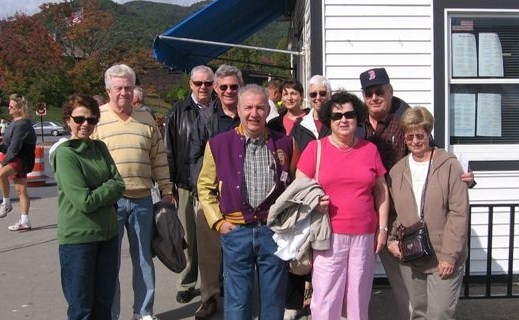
<point>352,175</point>
<point>292,98</point>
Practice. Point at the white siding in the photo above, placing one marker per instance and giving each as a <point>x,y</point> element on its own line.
<point>396,35</point>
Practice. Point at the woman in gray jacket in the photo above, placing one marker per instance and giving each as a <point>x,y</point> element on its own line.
<point>433,282</point>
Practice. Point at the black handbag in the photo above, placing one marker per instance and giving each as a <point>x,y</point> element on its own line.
<point>414,242</point>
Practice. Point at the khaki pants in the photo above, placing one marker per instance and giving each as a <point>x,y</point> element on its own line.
<point>431,297</point>
<point>209,256</point>
<point>186,214</point>
<point>394,275</point>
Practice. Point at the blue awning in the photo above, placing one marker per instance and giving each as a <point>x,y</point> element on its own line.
<point>228,21</point>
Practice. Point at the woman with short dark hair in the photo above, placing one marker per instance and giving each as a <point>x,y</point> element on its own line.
<point>357,201</point>
<point>89,186</point>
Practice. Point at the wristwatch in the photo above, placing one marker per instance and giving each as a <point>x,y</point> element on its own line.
<point>383,228</point>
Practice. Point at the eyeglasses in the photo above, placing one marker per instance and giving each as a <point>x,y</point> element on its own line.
<point>379,92</point>
<point>321,94</point>
<point>200,83</point>
<point>418,136</point>
<point>233,87</point>
<point>80,120</point>
<point>348,115</point>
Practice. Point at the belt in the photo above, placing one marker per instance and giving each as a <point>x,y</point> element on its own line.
<point>255,224</point>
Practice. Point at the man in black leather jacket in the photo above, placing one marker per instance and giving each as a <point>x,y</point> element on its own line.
<point>181,122</point>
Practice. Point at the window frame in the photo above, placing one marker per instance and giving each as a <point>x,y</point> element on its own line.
<point>442,10</point>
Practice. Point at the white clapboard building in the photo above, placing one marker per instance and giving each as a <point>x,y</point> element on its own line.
<point>458,58</point>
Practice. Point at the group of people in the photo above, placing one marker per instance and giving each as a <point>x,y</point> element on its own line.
<point>229,164</point>
<point>224,164</point>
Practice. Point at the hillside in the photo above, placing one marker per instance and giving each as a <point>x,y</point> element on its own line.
<point>141,21</point>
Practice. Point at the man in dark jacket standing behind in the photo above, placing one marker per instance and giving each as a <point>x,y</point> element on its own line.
<point>181,122</point>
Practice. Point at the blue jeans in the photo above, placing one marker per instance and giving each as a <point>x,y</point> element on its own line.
<point>88,278</point>
<point>246,250</point>
<point>136,215</point>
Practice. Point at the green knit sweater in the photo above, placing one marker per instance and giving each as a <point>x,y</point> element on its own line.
<point>89,185</point>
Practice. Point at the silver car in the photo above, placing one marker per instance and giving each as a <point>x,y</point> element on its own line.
<point>49,127</point>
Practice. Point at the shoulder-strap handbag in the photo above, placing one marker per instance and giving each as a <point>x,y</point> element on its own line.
<point>414,242</point>
<point>317,160</point>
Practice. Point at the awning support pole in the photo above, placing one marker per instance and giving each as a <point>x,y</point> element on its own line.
<point>232,45</point>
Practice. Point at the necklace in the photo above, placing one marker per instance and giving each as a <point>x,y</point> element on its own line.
<point>341,146</point>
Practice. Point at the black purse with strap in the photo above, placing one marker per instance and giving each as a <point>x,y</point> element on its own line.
<point>414,242</point>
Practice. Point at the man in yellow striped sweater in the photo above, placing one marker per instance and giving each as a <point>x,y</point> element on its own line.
<point>133,139</point>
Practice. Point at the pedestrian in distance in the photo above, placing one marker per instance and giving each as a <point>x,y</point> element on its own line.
<point>89,186</point>
<point>19,141</point>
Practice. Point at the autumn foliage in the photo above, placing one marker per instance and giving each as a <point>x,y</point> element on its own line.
<point>64,49</point>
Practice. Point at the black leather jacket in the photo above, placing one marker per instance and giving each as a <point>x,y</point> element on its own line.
<point>206,130</point>
<point>181,122</point>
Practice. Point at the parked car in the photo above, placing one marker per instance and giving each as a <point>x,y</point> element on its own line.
<point>50,127</point>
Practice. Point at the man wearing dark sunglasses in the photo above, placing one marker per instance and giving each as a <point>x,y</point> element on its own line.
<point>223,117</point>
<point>181,121</point>
<point>382,127</point>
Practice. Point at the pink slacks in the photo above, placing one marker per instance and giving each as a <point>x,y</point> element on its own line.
<point>342,277</point>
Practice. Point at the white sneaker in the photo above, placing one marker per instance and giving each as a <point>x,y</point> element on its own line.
<point>4,210</point>
<point>291,314</point>
<point>19,226</point>
<point>137,316</point>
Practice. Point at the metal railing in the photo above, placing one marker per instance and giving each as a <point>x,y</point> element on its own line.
<point>492,285</point>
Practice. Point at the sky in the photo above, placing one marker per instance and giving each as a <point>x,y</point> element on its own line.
<point>30,7</point>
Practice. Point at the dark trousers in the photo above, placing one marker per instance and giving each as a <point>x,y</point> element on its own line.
<point>88,278</point>
<point>295,291</point>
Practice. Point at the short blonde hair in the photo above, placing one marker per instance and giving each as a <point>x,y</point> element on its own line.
<point>417,117</point>
<point>21,103</point>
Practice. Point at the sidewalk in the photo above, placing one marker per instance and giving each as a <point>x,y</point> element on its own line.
<point>30,279</point>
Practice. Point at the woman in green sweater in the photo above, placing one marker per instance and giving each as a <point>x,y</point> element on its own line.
<point>88,188</point>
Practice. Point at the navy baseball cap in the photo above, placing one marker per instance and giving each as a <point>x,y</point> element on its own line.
<point>373,77</point>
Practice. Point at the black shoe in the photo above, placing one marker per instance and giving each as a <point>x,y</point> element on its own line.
<point>187,295</point>
<point>206,309</point>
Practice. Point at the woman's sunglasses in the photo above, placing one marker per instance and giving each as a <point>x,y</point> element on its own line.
<point>348,115</point>
<point>80,120</point>
<point>411,137</point>
<point>321,94</point>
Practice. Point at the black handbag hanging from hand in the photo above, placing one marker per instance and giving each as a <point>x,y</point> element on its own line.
<point>414,242</point>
